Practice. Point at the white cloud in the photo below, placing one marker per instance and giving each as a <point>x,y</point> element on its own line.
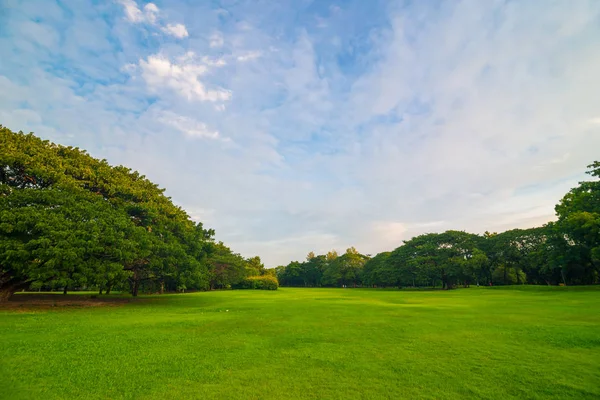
<point>593,121</point>
<point>471,115</point>
<point>188,126</point>
<point>181,76</point>
<point>216,40</point>
<point>150,15</point>
<point>129,68</point>
<point>281,251</point>
<point>391,232</point>
<point>177,30</point>
<point>251,55</point>
<point>135,15</point>
<point>200,214</point>
<point>477,113</point>
<point>215,62</point>
<point>132,12</point>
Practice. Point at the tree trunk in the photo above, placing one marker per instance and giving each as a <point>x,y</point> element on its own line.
<point>108,289</point>
<point>444,280</point>
<point>134,282</point>
<point>100,291</point>
<point>8,290</point>
<point>6,293</point>
<point>65,289</point>
<point>562,275</point>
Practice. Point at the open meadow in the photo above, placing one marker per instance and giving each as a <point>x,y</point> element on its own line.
<point>493,343</point>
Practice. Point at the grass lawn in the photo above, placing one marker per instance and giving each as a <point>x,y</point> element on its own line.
<point>493,343</point>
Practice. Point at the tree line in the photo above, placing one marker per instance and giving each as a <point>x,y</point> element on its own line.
<point>565,252</point>
<point>70,221</point>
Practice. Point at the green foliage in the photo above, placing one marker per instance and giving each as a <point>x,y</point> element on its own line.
<point>375,272</point>
<point>265,282</point>
<point>254,266</point>
<point>324,270</point>
<point>225,268</point>
<point>505,275</point>
<point>578,227</point>
<point>344,270</point>
<point>70,220</point>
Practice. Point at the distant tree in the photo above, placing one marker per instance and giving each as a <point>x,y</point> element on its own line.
<point>225,268</point>
<point>344,270</point>
<point>254,266</point>
<point>332,255</point>
<point>291,275</point>
<point>312,270</point>
<point>579,224</point>
<point>270,272</point>
<point>374,271</point>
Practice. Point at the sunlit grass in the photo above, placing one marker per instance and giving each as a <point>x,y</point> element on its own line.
<point>310,343</point>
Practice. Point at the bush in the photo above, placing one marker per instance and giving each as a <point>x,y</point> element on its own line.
<point>264,282</point>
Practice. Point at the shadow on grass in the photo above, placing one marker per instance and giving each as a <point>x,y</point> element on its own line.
<point>36,301</point>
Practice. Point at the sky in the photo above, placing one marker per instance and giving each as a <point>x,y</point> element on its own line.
<point>297,126</point>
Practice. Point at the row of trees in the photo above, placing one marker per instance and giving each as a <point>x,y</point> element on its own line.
<point>563,252</point>
<point>69,220</point>
<point>324,270</point>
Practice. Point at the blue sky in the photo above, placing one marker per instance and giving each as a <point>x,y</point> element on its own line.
<point>293,126</point>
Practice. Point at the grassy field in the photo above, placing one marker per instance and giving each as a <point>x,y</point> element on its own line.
<point>310,344</point>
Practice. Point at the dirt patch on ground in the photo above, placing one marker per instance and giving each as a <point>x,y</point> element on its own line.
<point>30,302</point>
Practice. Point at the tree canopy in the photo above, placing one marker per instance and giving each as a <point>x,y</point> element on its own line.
<point>69,220</point>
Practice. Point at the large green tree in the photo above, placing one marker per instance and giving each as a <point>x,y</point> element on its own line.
<point>70,218</point>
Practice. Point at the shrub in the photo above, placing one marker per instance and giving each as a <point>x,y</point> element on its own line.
<point>264,282</point>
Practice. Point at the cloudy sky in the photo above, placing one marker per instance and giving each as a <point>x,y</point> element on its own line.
<point>291,126</point>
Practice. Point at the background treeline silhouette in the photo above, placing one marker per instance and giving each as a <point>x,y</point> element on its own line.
<point>563,252</point>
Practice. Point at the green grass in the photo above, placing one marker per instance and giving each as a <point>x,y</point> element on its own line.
<point>311,344</point>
